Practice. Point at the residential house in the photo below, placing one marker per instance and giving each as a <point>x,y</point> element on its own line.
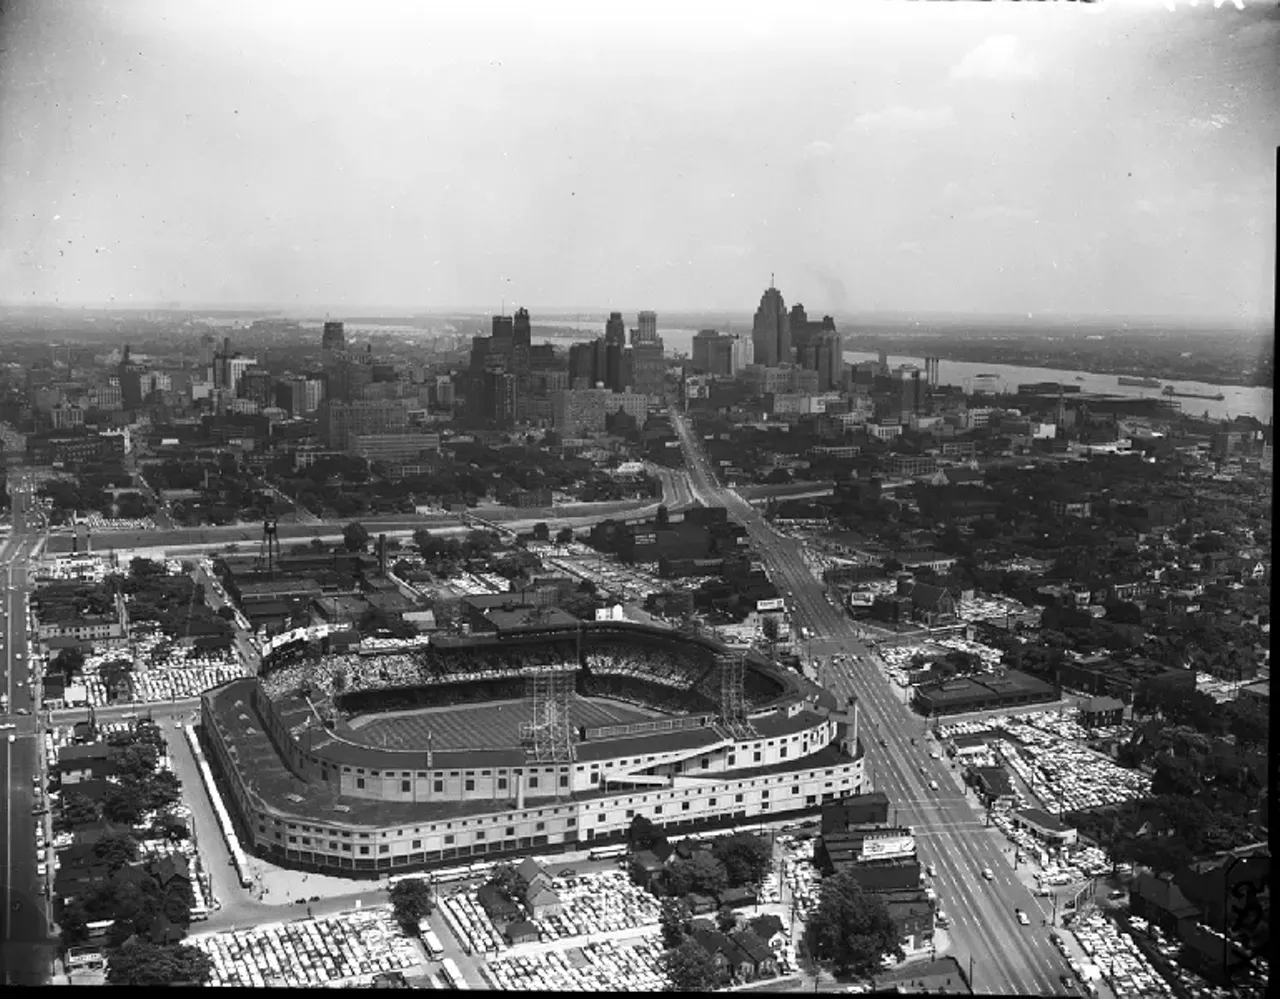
<point>521,931</point>
<point>1102,712</point>
<point>1161,903</point>
<point>730,960</point>
<point>646,869</point>
<point>764,964</point>
<point>736,898</point>
<point>542,902</point>
<point>498,907</point>
<point>770,929</point>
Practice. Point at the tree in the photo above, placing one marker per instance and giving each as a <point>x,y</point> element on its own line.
<point>676,918</point>
<point>701,873</point>
<point>73,923</point>
<point>850,929</point>
<point>69,662</point>
<point>746,857</point>
<point>79,810</point>
<point>411,901</point>
<point>726,919</point>
<point>769,627</point>
<point>541,532</point>
<point>507,881</point>
<point>161,790</point>
<point>115,850</point>
<point>141,963</point>
<point>689,968</point>
<point>125,804</point>
<point>564,536</point>
<point>642,834</point>
<point>355,537</point>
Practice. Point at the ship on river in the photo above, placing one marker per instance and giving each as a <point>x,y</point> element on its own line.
<point>1140,382</point>
<point>1172,390</point>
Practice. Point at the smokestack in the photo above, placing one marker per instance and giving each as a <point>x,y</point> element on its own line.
<point>519,779</point>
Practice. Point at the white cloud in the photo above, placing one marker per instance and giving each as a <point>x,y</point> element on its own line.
<point>818,149</point>
<point>909,246</point>
<point>950,190</point>
<point>1214,121</point>
<point>904,118</point>
<point>998,58</point>
<point>999,213</point>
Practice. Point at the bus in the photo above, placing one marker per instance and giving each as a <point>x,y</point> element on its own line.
<point>608,852</point>
<point>430,941</point>
<point>452,975</point>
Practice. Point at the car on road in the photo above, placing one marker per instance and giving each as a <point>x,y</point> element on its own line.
<point>884,742</point>
<point>41,869</point>
<point>24,711</point>
<point>933,785</point>
<point>988,873</point>
<point>932,870</point>
<point>1022,917</point>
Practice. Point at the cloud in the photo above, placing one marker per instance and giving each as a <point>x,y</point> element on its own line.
<point>998,58</point>
<point>909,246</point>
<point>950,190</point>
<point>905,119</point>
<point>818,149</point>
<point>1214,121</point>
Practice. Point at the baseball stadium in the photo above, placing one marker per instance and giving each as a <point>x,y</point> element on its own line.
<point>373,761</point>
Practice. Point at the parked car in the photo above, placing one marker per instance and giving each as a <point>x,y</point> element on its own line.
<point>933,870</point>
<point>1022,917</point>
<point>988,873</point>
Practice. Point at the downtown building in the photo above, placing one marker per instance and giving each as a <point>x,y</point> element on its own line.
<point>771,330</point>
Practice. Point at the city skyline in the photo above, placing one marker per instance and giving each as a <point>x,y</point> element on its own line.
<point>1106,161</point>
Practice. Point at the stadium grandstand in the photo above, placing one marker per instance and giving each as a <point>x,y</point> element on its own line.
<point>482,747</point>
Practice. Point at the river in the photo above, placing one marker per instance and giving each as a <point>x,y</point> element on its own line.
<point>1239,400</point>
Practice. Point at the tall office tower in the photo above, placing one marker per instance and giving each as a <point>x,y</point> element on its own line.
<point>648,368</point>
<point>648,328</point>
<point>798,320</point>
<point>334,337</point>
<point>503,328</point>
<point>131,374</point>
<point>582,361</point>
<point>522,329</point>
<point>257,384</point>
<point>617,366</point>
<point>703,348</point>
<point>911,387</point>
<point>771,331</point>
<point>884,363</point>
<point>208,347</point>
<point>830,358</point>
<point>615,330</point>
<point>931,371</point>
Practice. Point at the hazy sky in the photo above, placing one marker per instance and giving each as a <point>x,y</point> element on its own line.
<point>972,157</point>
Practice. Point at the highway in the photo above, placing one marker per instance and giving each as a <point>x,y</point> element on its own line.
<point>27,944</point>
<point>1006,957</point>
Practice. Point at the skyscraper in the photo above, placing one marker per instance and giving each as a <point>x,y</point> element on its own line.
<point>335,337</point>
<point>648,328</point>
<point>771,331</point>
<point>521,328</point>
<point>615,330</point>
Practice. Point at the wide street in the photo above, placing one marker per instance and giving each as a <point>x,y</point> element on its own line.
<point>27,947</point>
<point>1006,957</point>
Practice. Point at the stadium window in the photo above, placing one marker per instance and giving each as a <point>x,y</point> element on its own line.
<point>539,826</point>
<point>479,835</point>
<point>511,831</point>
<point>346,835</point>
<point>737,798</point>
<point>364,851</point>
<point>406,774</point>
<point>360,782</point>
<point>453,773</point>
<point>293,839</point>
<point>733,758</point>
<point>795,789</point>
<point>306,840</point>
<point>564,780</point>
<point>502,783</point>
<point>384,848</point>
<point>364,835</point>
<point>486,773</point>
<point>657,810</point>
<point>404,786</point>
<point>756,756</point>
<point>448,838</point>
<point>373,773</point>
<point>782,751</point>
<point>706,763</point>
<point>570,822</point>
<point>764,794</point>
<point>684,806</point>
<point>631,812</point>
<point>711,803</point>
<point>533,781</point>
<point>470,785</point>
<point>439,787</point>
<point>603,818</point>
<point>346,847</point>
<point>333,844</point>
<point>422,774</point>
